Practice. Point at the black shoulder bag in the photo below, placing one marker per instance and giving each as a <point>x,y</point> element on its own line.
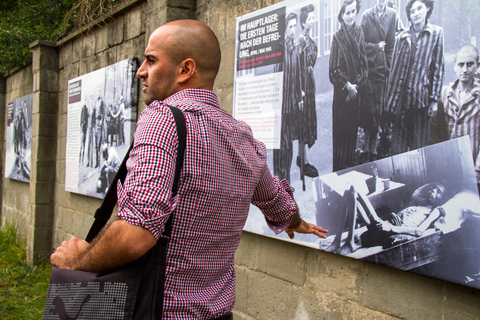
<point>134,291</point>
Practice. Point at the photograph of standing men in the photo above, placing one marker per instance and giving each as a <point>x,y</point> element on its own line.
<point>103,115</point>
<point>459,106</point>
<point>299,117</point>
<point>387,81</point>
<point>100,124</point>
<point>101,133</point>
<point>19,136</point>
<point>416,79</point>
<point>386,64</point>
<point>402,100</point>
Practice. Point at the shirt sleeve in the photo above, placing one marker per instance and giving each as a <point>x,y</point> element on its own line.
<point>336,75</point>
<point>437,67</point>
<point>145,198</point>
<point>275,199</point>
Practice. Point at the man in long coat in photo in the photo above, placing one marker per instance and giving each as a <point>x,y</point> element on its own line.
<point>379,25</point>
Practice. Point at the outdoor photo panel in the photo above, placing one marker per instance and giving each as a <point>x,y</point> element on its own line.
<point>324,85</point>
<point>102,113</point>
<point>19,137</point>
<point>416,211</point>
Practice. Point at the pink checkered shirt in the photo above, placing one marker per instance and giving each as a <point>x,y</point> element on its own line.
<point>224,171</point>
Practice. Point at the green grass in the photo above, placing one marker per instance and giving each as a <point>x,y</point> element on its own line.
<point>23,287</point>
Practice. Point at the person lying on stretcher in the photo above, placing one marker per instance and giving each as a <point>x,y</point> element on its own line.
<point>426,209</point>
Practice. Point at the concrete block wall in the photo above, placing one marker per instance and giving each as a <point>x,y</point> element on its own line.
<point>43,149</point>
<point>275,279</point>
<point>280,280</point>
<point>117,39</point>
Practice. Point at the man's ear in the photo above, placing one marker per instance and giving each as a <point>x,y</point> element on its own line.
<point>188,69</point>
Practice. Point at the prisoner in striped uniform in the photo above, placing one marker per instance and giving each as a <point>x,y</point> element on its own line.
<point>416,78</point>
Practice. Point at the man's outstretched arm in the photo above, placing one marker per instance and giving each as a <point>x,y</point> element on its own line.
<point>116,246</point>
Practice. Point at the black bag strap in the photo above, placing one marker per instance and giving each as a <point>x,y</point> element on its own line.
<point>182,142</point>
<point>104,212</point>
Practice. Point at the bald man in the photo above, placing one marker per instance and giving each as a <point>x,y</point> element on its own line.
<point>460,104</point>
<point>224,170</point>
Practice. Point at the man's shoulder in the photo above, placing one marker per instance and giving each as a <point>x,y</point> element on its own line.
<point>369,13</point>
<point>391,13</point>
<point>447,93</point>
<point>448,89</point>
<point>155,125</point>
<point>476,86</point>
<point>404,36</point>
<point>192,99</point>
<point>434,29</point>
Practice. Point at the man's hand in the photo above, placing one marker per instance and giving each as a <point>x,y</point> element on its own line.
<point>381,45</point>
<point>298,225</point>
<point>352,91</point>
<point>306,228</point>
<point>432,110</point>
<point>116,245</point>
<point>67,254</point>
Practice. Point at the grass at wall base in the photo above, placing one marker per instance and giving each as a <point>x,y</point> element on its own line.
<point>23,287</point>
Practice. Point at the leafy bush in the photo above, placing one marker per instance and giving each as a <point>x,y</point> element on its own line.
<point>24,21</point>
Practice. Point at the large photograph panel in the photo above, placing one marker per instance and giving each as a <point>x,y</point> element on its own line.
<point>277,97</point>
<point>388,78</point>
<point>19,138</point>
<point>102,113</point>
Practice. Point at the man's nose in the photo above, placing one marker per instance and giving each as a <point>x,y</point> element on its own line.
<point>141,71</point>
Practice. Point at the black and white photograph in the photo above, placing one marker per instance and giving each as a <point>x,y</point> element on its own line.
<point>19,137</point>
<point>340,84</point>
<point>336,70</point>
<point>277,92</point>
<point>416,211</point>
<point>276,85</point>
<point>102,113</point>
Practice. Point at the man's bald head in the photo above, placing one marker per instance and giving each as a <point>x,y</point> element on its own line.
<point>195,40</point>
<point>180,54</point>
<point>468,49</point>
<point>466,64</point>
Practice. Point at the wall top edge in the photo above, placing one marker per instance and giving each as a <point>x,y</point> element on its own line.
<point>37,43</point>
<point>118,10</point>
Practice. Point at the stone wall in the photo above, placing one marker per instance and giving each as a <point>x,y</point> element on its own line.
<point>85,51</point>
<point>276,279</point>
